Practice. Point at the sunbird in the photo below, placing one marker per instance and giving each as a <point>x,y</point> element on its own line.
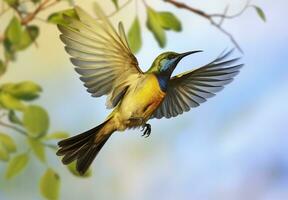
<point>108,67</point>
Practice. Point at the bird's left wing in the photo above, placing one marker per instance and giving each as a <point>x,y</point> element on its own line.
<point>101,55</point>
<point>192,88</point>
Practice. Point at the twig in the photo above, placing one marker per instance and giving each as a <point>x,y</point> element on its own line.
<point>247,5</point>
<point>224,13</point>
<point>51,146</point>
<point>13,128</point>
<point>42,6</point>
<point>210,17</point>
<point>120,8</point>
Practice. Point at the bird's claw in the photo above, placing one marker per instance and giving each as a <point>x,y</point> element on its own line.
<point>147,130</point>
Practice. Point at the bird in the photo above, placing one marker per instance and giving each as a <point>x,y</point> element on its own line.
<point>106,65</point>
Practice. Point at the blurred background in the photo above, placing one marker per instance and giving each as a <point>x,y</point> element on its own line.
<point>233,147</point>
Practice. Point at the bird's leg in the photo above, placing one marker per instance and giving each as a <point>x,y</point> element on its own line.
<point>147,130</point>
<point>136,120</point>
<point>146,127</point>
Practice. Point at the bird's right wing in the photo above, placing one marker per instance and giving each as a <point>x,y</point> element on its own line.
<point>192,88</point>
<point>101,55</point>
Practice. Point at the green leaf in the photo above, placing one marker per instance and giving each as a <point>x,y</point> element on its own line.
<point>57,18</point>
<point>12,3</point>
<point>26,90</point>
<point>10,102</point>
<point>16,165</point>
<point>37,148</point>
<point>56,136</point>
<point>154,25</point>
<point>2,67</point>
<point>13,118</point>
<point>50,185</point>
<point>7,142</point>
<point>7,87</point>
<point>72,168</point>
<point>115,2</point>
<point>36,121</point>
<point>260,13</point>
<point>28,36</point>
<point>134,36</point>
<point>4,154</point>
<point>169,21</point>
<point>18,39</point>
<point>13,31</point>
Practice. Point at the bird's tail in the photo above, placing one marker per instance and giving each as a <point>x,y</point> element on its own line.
<point>84,147</point>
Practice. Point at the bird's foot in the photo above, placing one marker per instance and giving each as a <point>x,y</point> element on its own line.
<point>147,130</point>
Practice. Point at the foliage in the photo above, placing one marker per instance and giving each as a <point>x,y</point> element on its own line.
<point>19,114</point>
<point>260,13</point>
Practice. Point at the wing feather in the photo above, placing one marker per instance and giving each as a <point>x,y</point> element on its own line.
<point>190,89</point>
<point>100,54</point>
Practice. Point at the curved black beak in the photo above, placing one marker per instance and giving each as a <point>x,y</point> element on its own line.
<point>176,60</point>
<point>182,55</point>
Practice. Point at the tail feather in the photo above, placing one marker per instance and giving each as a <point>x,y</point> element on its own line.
<point>86,159</point>
<point>83,148</point>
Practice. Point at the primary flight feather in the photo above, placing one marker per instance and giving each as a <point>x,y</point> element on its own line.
<point>108,67</point>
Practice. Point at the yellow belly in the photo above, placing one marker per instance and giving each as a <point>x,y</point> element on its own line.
<point>140,101</point>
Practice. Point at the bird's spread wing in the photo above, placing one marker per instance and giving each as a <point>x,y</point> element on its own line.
<point>101,55</point>
<point>192,88</point>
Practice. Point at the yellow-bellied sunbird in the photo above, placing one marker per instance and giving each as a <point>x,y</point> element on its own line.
<point>108,67</point>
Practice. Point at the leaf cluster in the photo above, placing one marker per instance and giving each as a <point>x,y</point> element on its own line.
<point>32,121</point>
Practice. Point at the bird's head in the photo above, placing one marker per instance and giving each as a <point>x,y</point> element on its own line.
<point>166,62</point>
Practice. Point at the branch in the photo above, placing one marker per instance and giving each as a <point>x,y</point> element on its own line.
<point>18,130</point>
<point>210,17</point>
<point>13,128</point>
<point>120,8</point>
<point>42,6</point>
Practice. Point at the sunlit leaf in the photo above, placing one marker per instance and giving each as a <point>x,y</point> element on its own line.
<point>36,121</point>
<point>72,168</point>
<point>154,25</point>
<point>37,148</point>
<point>260,13</point>
<point>28,36</point>
<point>4,154</point>
<point>18,38</point>
<point>13,31</point>
<point>7,142</point>
<point>7,87</point>
<point>56,136</point>
<point>26,90</point>
<point>115,2</point>
<point>16,165</point>
<point>10,102</point>
<point>50,185</point>
<point>57,18</point>
<point>169,21</point>
<point>134,36</point>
